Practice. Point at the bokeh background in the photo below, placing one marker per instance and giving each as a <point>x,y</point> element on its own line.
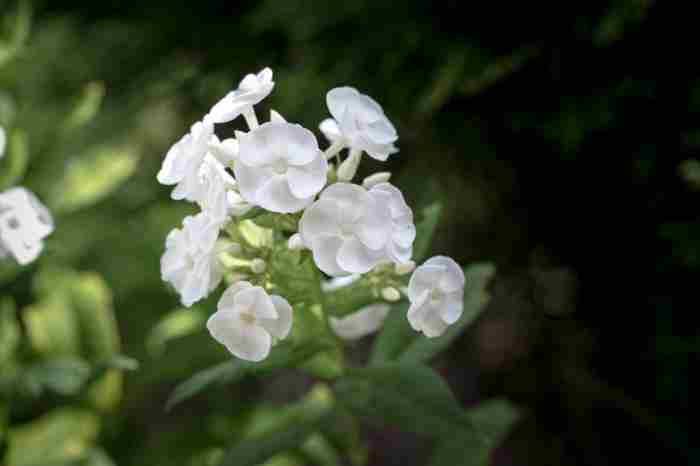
<point>561,138</point>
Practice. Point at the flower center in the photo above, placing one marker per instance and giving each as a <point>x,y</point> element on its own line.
<point>436,294</point>
<point>279,167</point>
<point>346,229</point>
<point>247,318</point>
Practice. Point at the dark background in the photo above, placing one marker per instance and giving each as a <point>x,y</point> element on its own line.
<point>555,134</point>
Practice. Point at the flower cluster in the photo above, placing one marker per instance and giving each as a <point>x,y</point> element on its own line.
<point>24,221</point>
<point>276,171</point>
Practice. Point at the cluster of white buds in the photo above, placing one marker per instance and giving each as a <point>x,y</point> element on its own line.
<point>24,221</point>
<point>277,167</point>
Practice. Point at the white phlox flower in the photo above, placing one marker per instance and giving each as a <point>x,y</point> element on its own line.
<point>248,321</point>
<point>347,230</point>
<point>359,324</point>
<point>190,261</point>
<point>24,223</point>
<point>403,232</point>
<point>183,161</point>
<point>212,193</point>
<point>251,91</point>
<point>280,167</point>
<point>436,291</point>
<point>359,122</point>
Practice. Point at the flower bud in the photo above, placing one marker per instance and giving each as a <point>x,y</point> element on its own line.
<point>295,242</point>
<point>347,169</point>
<point>404,268</point>
<point>391,294</point>
<point>257,265</point>
<point>375,179</point>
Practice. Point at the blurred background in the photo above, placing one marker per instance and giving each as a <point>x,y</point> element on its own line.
<point>544,130</point>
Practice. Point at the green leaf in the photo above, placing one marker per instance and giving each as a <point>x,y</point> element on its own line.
<point>396,335</point>
<point>408,396</point>
<point>64,376</point>
<point>62,436</point>
<point>425,230</point>
<point>306,418</point>
<point>92,302</point>
<point>21,24</point>
<point>87,106</point>
<point>14,164</point>
<point>475,299</point>
<point>492,420</point>
<point>90,179</point>
<point>52,327</point>
<point>283,355</point>
<point>10,332</point>
<point>176,324</point>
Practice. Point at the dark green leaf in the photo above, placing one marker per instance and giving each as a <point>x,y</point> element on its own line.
<point>396,335</point>
<point>408,396</point>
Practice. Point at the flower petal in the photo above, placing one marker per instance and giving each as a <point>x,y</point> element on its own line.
<point>424,279</point>
<point>339,98</point>
<point>280,326</point>
<point>227,298</point>
<point>250,179</point>
<point>325,251</point>
<point>355,257</point>
<point>451,308</point>
<point>307,180</point>
<point>248,342</point>
<point>276,196</point>
<point>322,217</point>
<point>330,129</point>
<point>453,277</point>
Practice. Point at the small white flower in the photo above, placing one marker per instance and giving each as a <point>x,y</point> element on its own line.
<point>190,261</point>
<point>360,121</point>
<point>375,179</point>
<point>403,231</point>
<point>24,223</point>
<point>251,91</point>
<point>3,141</point>
<point>436,292</point>
<point>248,321</point>
<point>183,161</point>
<point>280,167</point>
<point>347,230</point>
<point>361,323</point>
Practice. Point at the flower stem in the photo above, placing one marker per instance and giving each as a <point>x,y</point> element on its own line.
<point>250,118</point>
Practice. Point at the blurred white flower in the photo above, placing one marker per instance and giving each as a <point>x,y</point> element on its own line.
<point>183,161</point>
<point>3,141</point>
<point>403,232</point>
<point>190,261</point>
<point>24,223</point>
<point>347,230</point>
<point>436,292</point>
<point>251,90</point>
<point>360,122</point>
<point>280,167</point>
<point>248,321</point>
<point>365,321</point>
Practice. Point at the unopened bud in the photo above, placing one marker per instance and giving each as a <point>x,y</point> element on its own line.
<point>295,242</point>
<point>257,265</point>
<point>391,294</point>
<point>375,179</point>
<point>347,169</point>
<point>404,268</point>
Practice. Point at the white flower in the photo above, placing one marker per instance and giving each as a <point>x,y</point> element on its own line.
<point>361,323</point>
<point>252,89</point>
<point>360,121</point>
<point>212,192</point>
<point>436,291</point>
<point>403,231</point>
<point>183,161</point>
<point>24,223</point>
<point>3,140</point>
<point>280,167</point>
<point>347,230</point>
<point>190,261</point>
<point>248,320</point>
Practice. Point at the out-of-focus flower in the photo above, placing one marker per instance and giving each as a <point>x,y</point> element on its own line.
<point>361,323</point>
<point>190,261</point>
<point>251,91</point>
<point>436,292</point>
<point>403,232</point>
<point>183,161</point>
<point>347,230</point>
<point>24,223</point>
<point>280,167</point>
<point>360,122</point>
<point>248,321</point>
<point>3,140</point>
